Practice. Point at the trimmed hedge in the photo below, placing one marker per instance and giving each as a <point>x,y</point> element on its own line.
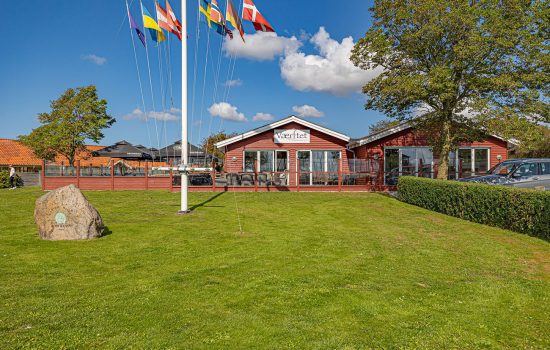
<point>520,210</point>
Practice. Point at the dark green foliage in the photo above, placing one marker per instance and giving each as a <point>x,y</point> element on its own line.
<point>5,179</point>
<point>520,210</point>
<point>459,69</point>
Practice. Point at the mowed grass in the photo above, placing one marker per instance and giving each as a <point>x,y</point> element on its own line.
<point>310,271</point>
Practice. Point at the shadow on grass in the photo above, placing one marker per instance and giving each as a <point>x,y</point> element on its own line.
<point>106,231</point>
<point>202,204</point>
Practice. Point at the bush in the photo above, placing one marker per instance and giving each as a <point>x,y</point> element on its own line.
<point>5,179</point>
<point>521,210</point>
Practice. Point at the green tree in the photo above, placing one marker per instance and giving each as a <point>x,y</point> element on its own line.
<point>382,125</point>
<point>536,146</point>
<point>456,68</point>
<point>76,116</point>
<point>208,144</point>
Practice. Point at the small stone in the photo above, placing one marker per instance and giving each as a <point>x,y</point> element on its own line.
<point>65,214</point>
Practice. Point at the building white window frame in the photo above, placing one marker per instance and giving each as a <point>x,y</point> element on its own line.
<point>416,168</point>
<point>258,160</point>
<point>325,162</point>
<point>472,154</point>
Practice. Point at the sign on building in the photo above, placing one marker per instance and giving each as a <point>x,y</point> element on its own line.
<point>292,136</point>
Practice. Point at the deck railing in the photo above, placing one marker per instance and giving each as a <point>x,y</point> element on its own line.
<point>359,175</point>
<point>145,177</point>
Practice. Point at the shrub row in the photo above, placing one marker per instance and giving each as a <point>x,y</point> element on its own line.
<point>5,179</point>
<point>520,210</point>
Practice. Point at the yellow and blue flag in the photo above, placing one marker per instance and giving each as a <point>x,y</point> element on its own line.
<point>204,8</point>
<point>154,29</point>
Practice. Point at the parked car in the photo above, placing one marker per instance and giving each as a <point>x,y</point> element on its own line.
<point>521,173</point>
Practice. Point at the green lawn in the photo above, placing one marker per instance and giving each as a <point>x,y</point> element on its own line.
<point>311,270</point>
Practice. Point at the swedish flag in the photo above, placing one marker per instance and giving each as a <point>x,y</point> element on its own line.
<point>204,8</point>
<point>151,24</point>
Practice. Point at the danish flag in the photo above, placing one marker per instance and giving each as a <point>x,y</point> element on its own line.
<point>173,22</point>
<point>251,13</point>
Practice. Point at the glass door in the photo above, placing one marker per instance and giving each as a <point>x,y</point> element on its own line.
<point>281,161</point>
<point>391,166</point>
<point>408,161</point>
<point>464,163</point>
<point>304,158</point>
<point>481,161</point>
<point>281,168</point>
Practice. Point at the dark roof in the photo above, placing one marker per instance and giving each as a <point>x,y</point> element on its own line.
<point>174,150</point>
<point>125,150</point>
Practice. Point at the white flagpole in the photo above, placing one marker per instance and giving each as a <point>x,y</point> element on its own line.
<point>184,141</point>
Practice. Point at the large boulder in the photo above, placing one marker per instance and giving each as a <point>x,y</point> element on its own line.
<point>65,214</point>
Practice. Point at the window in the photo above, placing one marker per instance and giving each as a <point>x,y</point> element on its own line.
<point>264,161</point>
<point>250,158</point>
<point>481,160</point>
<point>465,162</point>
<point>526,170</point>
<point>318,167</point>
<point>471,161</point>
<point>545,168</point>
<point>413,161</point>
<point>281,161</point>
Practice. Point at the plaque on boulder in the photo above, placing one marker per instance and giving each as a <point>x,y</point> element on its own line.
<point>65,214</point>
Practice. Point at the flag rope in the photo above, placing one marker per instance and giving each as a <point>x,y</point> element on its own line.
<point>151,84</point>
<point>162,90</point>
<point>195,74</point>
<point>139,79</point>
<point>204,85</point>
<point>215,91</point>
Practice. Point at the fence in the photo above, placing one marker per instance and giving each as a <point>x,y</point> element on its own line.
<point>146,177</point>
<point>360,175</point>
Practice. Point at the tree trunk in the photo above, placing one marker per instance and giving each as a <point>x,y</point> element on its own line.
<point>446,147</point>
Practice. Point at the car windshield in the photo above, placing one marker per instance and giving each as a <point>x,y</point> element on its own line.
<point>503,169</point>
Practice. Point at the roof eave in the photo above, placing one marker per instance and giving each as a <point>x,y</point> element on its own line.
<point>277,124</point>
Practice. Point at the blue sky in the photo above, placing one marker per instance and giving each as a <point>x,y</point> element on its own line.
<point>301,70</point>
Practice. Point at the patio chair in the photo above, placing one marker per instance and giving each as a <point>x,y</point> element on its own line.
<point>233,179</point>
<point>264,179</point>
<point>247,180</point>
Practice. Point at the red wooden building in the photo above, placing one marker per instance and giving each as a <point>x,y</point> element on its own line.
<point>312,155</point>
<point>405,151</point>
<point>289,152</point>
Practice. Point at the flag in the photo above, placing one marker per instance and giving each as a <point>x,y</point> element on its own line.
<point>204,8</point>
<point>173,21</point>
<point>217,18</point>
<point>134,26</point>
<point>164,22</point>
<point>151,24</point>
<point>232,17</point>
<point>251,13</point>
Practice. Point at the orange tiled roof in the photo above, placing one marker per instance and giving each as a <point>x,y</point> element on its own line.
<point>15,153</point>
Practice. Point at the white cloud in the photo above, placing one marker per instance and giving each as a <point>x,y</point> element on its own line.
<point>263,117</point>
<point>261,46</point>
<point>94,59</point>
<point>234,83</point>
<point>331,71</point>
<point>137,114</point>
<point>226,111</point>
<point>306,111</point>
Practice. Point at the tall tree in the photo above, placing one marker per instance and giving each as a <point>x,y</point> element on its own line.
<point>76,116</point>
<point>535,145</point>
<point>382,125</point>
<point>455,68</point>
<point>208,144</point>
